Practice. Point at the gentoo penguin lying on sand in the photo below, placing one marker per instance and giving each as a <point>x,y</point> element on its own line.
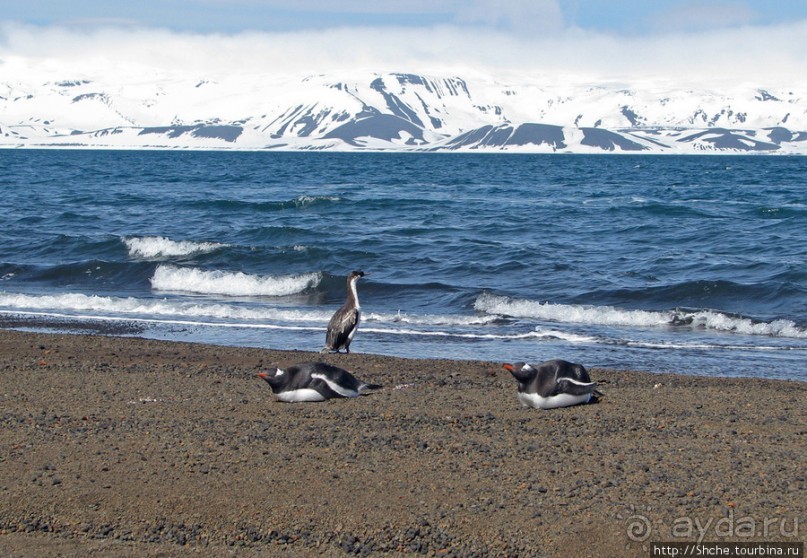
<point>314,381</point>
<point>344,322</point>
<point>552,384</point>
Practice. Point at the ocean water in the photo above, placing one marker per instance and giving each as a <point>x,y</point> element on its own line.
<point>690,264</point>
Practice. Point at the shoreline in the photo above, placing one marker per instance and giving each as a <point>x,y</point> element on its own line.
<point>56,323</point>
<point>121,445</point>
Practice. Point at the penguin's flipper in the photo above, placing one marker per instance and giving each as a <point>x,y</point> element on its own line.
<point>574,387</point>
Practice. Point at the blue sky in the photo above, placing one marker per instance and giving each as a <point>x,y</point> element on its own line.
<point>234,16</point>
<point>757,40</point>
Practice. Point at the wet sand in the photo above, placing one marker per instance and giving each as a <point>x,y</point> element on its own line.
<point>120,446</point>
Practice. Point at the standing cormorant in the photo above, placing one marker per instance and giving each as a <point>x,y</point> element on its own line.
<point>344,322</point>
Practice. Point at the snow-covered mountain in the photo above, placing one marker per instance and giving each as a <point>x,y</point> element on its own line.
<point>400,111</point>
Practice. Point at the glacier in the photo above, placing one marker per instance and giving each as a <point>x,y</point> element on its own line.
<point>371,111</point>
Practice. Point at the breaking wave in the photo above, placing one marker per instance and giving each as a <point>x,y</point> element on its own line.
<point>130,306</point>
<point>176,309</point>
<point>156,247</point>
<point>305,201</point>
<point>611,316</point>
<point>226,283</point>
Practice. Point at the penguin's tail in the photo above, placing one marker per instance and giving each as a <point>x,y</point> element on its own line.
<point>367,389</point>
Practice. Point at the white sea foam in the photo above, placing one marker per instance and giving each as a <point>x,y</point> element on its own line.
<point>192,280</point>
<point>611,316</point>
<point>218,315</point>
<point>178,308</point>
<point>433,319</point>
<point>566,313</point>
<point>305,201</point>
<point>723,322</point>
<point>504,336</point>
<point>78,305</point>
<point>130,306</point>
<point>156,247</point>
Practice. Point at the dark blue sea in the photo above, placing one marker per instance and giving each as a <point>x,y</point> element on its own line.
<point>690,264</point>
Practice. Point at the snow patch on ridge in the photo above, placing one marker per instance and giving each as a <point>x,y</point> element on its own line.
<point>401,112</point>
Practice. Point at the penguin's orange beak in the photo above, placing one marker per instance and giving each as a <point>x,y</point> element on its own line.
<point>263,375</point>
<point>508,367</point>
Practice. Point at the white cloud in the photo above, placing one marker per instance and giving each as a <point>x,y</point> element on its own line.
<point>767,55</point>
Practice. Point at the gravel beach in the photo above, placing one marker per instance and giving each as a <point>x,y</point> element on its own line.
<point>120,446</point>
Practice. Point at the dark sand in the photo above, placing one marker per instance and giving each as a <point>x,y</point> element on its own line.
<point>115,447</point>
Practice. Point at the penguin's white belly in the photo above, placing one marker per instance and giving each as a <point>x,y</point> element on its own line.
<point>554,402</point>
<point>300,396</point>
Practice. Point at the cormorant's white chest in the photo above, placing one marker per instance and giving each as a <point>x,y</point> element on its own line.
<point>355,292</point>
